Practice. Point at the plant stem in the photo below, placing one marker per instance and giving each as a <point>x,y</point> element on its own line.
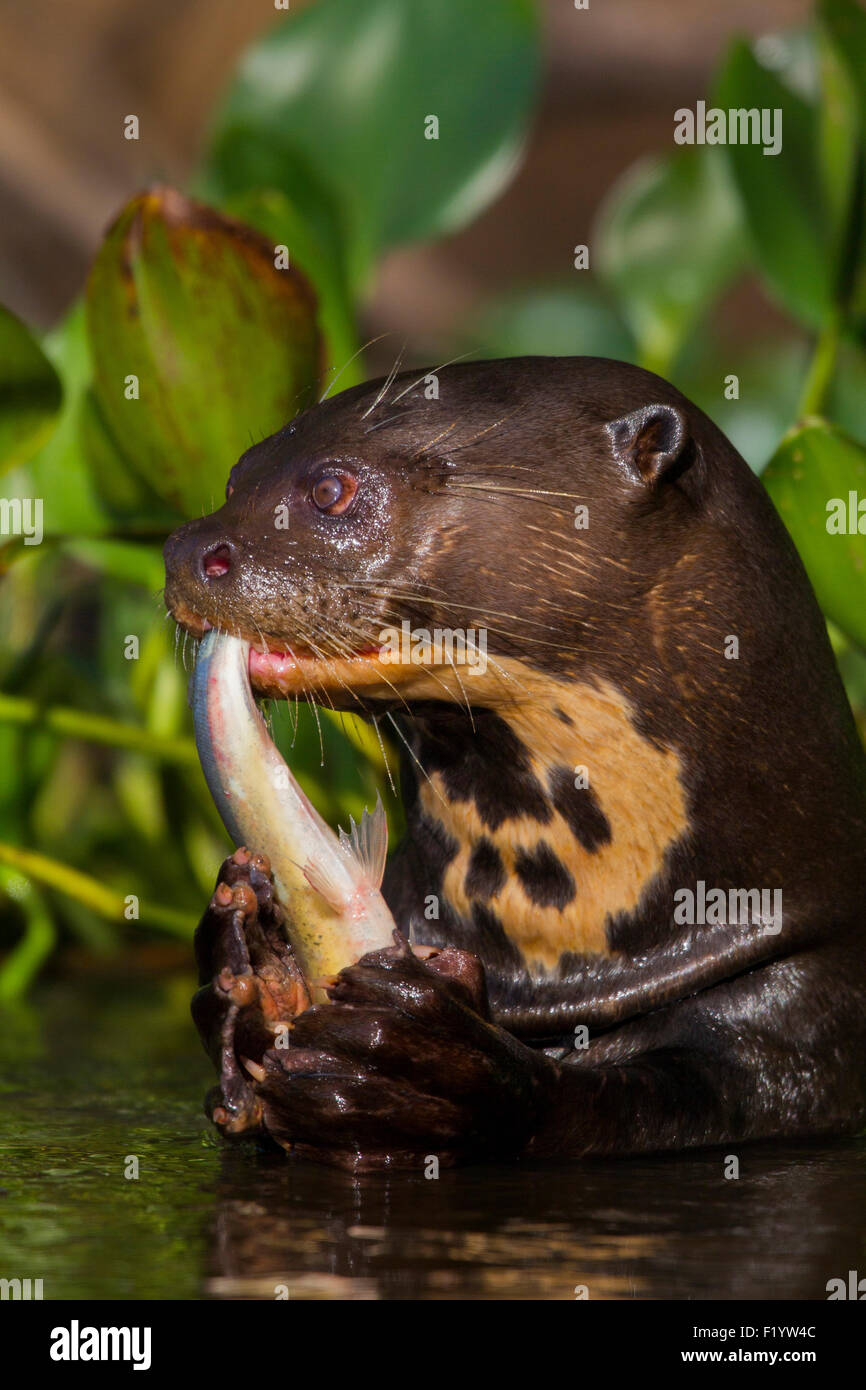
<point>820,374</point>
<point>26,959</point>
<point>101,900</point>
<point>97,728</point>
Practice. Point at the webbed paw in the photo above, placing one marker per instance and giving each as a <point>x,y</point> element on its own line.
<point>401,1064</point>
<point>251,987</point>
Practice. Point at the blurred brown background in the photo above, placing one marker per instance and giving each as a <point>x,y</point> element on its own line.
<point>70,72</point>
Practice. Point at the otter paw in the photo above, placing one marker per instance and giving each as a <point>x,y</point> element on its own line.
<point>401,1064</point>
<point>251,987</point>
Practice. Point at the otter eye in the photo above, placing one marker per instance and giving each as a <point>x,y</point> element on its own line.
<point>334,492</point>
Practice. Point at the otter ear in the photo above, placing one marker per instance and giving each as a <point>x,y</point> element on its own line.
<point>651,441</point>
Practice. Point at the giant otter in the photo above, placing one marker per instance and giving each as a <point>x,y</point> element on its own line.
<point>658,747</point>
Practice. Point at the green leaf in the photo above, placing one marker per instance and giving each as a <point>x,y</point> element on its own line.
<point>224,345</point>
<point>59,471</point>
<point>321,259</point>
<point>670,238</point>
<point>839,145</point>
<point>131,503</point>
<point>125,562</point>
<point>843,41</point>
<point>30,392</point>
<point>769,374</point>
<point>342,91</point>
<point>851,661</point>
<point>814,468</point>
<point>783,195</point>
<point>846,397</point>
<point>86,484</point>
<point>551,320</point>
<point>845,23</point>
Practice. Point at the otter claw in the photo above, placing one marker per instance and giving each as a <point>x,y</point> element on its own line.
<point>250,986</point>
<point>239,1119</point>
<point>240,989</point>
<point>256,1071</point>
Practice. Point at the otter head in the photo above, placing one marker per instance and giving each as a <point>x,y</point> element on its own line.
<point>486,503</point>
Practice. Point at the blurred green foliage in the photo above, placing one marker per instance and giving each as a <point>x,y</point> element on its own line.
<point>331,108</point>
<point>30,390</point>
<point>182,297</point>
<point>193,338</point>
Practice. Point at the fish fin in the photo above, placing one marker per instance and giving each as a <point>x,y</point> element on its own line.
<point>322,883</point>
<point>367,843</point>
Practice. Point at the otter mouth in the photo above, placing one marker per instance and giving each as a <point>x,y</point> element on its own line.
<point>379,673</point>
<point>285,673</point>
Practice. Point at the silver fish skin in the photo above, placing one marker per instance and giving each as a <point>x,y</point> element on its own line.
<point>327,885</point>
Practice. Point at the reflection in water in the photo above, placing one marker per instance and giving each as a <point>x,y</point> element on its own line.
<point>94,1074</point>
<point>660,1228</point>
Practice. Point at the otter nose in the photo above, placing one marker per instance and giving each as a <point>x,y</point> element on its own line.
<point>195,555</point>
<point>216,561</point>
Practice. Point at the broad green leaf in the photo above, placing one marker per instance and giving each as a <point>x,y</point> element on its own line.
<point>322,261</point>
<point>30,392</point>
<point>223,346</point>
<point>782,194</point>
<point>246,169</point>
<point>817,473</point>
<point>342,93</point>
<point>551,320</point>
<point>670,238</point>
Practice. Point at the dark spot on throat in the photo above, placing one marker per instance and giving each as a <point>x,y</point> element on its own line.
<point>489,938</point>
<point>545,880</point>
<point>486,763</point>
<point>433,847</point>
<point>485,876</point>
<point>580,809</point>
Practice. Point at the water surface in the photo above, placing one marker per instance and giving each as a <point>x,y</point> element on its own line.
<point>97,1072</point>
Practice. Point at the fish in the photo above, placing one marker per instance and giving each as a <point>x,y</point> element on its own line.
<point>327,884</point>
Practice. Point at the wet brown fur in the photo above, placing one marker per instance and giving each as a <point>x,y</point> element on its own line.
<point>610,650</point>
